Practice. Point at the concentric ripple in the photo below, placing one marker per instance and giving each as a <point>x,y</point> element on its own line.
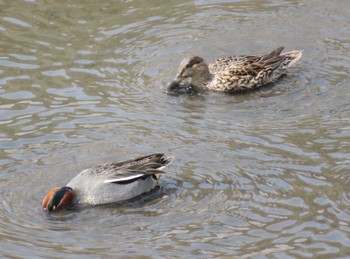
<point>262,174</point>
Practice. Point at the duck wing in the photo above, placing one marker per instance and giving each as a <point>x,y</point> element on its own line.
<point>248,65</point>
<point>131,169</point>
<point>223,64</point>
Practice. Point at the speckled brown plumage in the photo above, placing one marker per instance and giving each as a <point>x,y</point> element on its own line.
<point>232,74</point>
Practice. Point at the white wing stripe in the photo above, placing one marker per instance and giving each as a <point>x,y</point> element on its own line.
<point>126,178</point>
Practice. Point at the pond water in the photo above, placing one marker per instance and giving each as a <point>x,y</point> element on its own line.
<point>263,174</point>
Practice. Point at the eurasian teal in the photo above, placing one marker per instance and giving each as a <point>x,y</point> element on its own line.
<point>109,183</point>
<point>234,74</point>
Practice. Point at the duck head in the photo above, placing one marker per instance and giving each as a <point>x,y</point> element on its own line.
<point>193,72</point>
<point>58,198</point>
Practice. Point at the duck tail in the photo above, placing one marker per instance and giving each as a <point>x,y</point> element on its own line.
<point>165,161</point>
<point>274,59</point>
<point>273,54</point>
<point>291,57</point>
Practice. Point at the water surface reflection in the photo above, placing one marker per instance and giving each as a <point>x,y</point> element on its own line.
<point>261,174</point>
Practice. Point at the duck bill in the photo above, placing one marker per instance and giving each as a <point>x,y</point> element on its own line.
<point>179,83</point>
<point>174,85</point>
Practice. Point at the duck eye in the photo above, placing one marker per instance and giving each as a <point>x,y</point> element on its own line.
<point>194,61</point>
<point>51,207</point>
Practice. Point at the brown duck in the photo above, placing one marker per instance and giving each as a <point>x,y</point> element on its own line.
<point>234,74</point>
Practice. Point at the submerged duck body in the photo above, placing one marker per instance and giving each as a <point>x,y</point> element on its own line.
<point>234,74</point>
<point>109,183</point>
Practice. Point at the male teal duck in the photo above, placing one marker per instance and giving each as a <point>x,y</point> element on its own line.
<point>109,183</point>
<point>233,74</point>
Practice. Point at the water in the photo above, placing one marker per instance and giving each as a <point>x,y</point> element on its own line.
<point>263,174</point>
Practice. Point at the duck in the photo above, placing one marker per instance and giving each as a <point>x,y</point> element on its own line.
<point>233,74</point>
<point>107,183</point>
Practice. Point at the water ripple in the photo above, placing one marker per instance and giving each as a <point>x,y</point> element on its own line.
<point>262,174</point>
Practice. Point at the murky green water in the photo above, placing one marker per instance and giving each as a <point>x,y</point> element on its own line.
<point>263,174</point>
